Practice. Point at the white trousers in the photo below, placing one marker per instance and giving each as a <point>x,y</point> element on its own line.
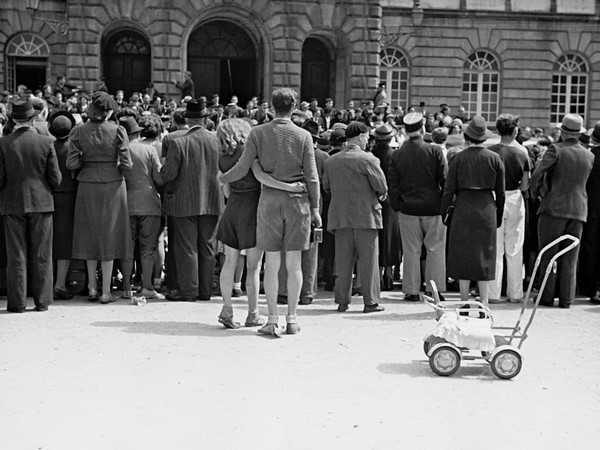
<point>509,241</point>
<point>416,232</point>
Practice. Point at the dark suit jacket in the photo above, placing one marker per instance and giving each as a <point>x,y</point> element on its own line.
<point>560,180</point>
<point>593,186</point>
<point>354,180</point>
<point>416,178</point>
<point>190,173</point>
<point>28,172</point>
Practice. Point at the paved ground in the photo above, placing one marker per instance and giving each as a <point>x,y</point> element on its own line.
<point>168,376</point>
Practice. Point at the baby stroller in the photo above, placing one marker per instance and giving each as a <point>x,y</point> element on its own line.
<point>465,330</point>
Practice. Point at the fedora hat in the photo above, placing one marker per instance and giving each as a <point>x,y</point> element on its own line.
<point>572,123</point>
<point>337,136</point>
<point>60,124</point>
<point>195,109</point>
<point>22,110</point>
<point>130,124</point>
<point>594,133</point>
<point>477,130</point>
<point>384,132</point>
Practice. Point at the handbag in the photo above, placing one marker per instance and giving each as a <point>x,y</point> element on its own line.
<point>447,216</point>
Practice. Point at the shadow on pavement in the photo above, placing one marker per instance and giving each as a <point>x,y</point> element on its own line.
<point>176,329</point>
<point>390,316</point>
<point>420,368</point>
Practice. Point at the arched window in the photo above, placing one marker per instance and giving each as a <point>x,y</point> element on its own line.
<point>26,61</point>
<point>569,87</point>
<point>481,84</point>
<point>394,71</point>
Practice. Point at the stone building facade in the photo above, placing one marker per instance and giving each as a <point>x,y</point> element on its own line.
<point>533,57</point>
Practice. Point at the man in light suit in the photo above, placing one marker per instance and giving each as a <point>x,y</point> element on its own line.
<point>560,180</point>
<point>193,201</point>
<point>356,183</point>
<point>28,172</point>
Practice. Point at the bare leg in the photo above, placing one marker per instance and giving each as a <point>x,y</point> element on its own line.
<point>463,286</point>
<point>484,291</point>
<point>107,267</point>
<point>293,261</point>
<point>92,266</point>
<point>159,258</point>
<point>226,278</point>
<point>62,267</point>
<point>253,260</point>
<point>272,263</point>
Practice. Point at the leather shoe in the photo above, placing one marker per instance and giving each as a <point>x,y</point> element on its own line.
<point>15,310</point>
<point>41,308</point>
<point>61,294</point>
<point>564,305</point>
<point>203,298</point>
<point>179,298</point>
<point>343,307</point>
<point>305,301</point>
<point>373,308</point>
<point>411,297</point>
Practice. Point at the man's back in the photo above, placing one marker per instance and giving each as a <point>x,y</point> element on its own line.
<point>355,180</point>
<point>28,172</point>
<point>567,166</point>
<point>190,171</point>
<point>285,151</point>
<point>416,178</point>
<point>516,163</point>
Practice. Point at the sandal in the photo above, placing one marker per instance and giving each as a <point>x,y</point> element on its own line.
<point>254,320</point>
<point>228,322</point>
<point>270,329</point>
<point>93,297</point>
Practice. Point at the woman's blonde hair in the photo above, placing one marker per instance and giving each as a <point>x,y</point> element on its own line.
<point>233,133</point>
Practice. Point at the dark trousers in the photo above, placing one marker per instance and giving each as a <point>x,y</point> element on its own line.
<point>29,244</point>
<point>170,267</point>
<point>590,258</point>
<point>309,272</point>
<point>563,283</point>
<point>195,255</point>
<point>352,244</point>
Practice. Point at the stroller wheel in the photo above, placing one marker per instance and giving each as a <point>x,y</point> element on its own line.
<point>445,360</point>
<point>506,364</point>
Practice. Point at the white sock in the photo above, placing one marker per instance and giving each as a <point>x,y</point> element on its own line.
<point>290,318</point>
<point>237,285</point>
<point>273,319</point>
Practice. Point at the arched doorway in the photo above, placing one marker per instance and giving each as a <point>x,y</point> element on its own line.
<point>126,61</point>
<point>222,59</point>
<point>317,70</point>
<point>27,61</point>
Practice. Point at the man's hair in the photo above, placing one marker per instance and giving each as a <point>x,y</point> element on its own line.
<point>506,124</point>
<point>284,100</point>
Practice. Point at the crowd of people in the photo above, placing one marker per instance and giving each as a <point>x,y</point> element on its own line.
<point>432,200</point>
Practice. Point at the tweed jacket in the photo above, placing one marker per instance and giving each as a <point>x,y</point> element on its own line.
<point>169,137</point>
<point>100,150</point>
<point>28,173</point>
<point>593,186</point>
<point>354,180</point>
<point>190,174</point>
<point>560,180</point>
